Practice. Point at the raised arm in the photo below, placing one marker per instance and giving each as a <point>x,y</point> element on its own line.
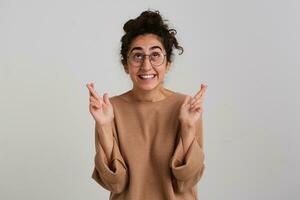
<point>110,170</point>
<point>187,162</point>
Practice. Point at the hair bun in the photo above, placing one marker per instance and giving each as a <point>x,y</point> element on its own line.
<point>147,20</point>
<point>151,18</point>
<point>128,25</point>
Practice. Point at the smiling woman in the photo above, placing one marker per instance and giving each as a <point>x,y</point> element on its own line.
<point>147,74</point>
<point>148,140</point>
<point>148,35</point>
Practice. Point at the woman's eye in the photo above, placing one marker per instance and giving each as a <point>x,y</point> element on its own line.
<point>155,54</point>
<point>138,56</point>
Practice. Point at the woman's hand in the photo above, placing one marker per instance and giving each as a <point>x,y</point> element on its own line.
<point>192,108</point>
<point>100,108</point>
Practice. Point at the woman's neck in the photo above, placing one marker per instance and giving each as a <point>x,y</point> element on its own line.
<point>151,96</point>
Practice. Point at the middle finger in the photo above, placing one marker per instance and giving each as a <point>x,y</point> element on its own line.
<point>198,95</point>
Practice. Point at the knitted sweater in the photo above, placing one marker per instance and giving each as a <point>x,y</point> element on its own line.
<point>148,162</point>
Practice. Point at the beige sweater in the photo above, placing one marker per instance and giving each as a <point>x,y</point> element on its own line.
<point>147,157</point>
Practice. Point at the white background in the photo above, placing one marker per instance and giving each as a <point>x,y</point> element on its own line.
<point>246,51</point>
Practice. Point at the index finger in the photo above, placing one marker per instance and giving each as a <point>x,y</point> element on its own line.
<point>92,91</point>
<point>200,92</point>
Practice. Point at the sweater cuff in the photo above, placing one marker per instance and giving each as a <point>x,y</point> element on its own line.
<point>114,170</point>
<point>186,166</point>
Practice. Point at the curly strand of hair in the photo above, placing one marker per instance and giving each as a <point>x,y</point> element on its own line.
<point>173,32</point>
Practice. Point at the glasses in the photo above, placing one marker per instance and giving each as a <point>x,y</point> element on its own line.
<point>137,59</point>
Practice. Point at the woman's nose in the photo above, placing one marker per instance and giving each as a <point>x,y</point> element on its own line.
<point>146,65</point>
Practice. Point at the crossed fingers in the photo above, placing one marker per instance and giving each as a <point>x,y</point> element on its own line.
<point>95,98</point>
<point>197,100</point>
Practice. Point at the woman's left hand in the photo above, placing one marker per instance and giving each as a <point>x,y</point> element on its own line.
<point>192,108</point>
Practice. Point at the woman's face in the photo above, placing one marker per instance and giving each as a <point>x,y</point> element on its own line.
<point>143,75</point>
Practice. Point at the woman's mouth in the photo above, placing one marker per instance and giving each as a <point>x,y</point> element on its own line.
<point>147,76</point>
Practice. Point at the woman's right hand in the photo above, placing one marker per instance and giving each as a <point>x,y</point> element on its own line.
<point>100,108</point>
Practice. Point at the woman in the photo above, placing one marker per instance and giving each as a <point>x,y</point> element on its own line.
<point>148,140</point>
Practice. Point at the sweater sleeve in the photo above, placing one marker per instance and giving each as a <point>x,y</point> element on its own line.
<point>188,169</point>
<point>112,176</point>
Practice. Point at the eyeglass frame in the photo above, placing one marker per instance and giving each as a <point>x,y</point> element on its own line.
<point>144,55</point>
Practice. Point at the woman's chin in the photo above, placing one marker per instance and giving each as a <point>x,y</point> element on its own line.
<point>147,87</point>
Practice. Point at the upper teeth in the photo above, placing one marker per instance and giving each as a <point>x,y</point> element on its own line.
<point>147,76</point>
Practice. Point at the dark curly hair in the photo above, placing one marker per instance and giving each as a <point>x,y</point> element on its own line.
<point>149,22</point>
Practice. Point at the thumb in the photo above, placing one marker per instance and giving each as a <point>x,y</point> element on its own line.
<point>186,100</point>
<point>106,99</point>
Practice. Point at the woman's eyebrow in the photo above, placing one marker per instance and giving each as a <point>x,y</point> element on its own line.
<point>136,48</point>
<point>155,47</point>
<point>140,48</point>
